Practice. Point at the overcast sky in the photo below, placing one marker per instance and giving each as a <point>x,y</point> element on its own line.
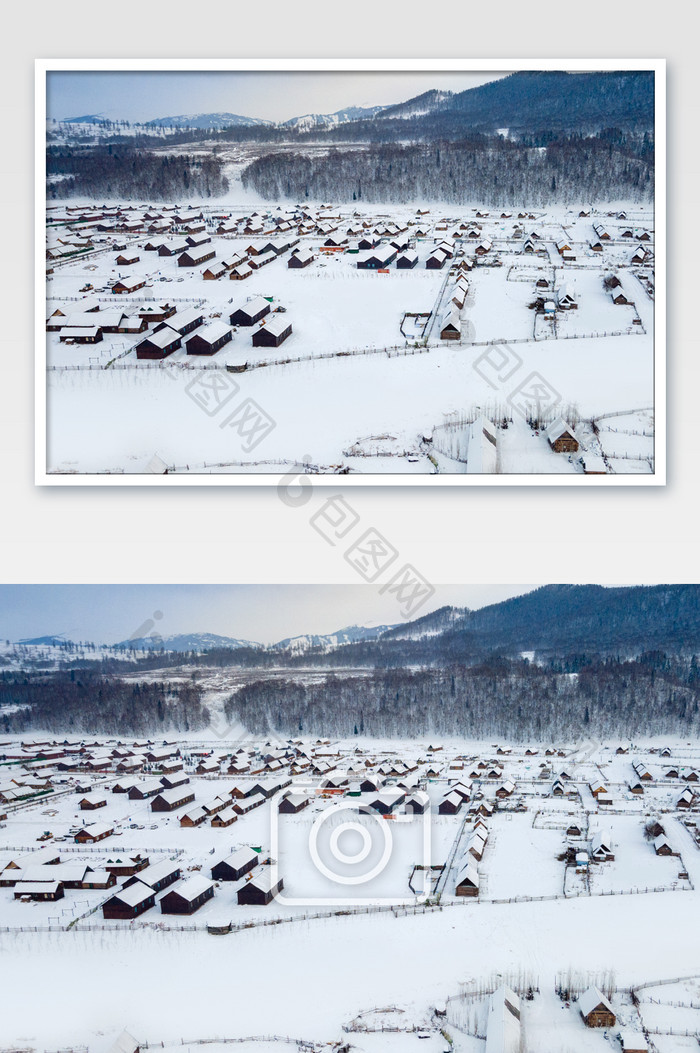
<point>140,95</point>
<point>263,613</point>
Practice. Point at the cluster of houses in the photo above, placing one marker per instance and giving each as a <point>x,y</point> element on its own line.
<point>206,338</point>
<point>144,882</point>
<point>504,1025</point>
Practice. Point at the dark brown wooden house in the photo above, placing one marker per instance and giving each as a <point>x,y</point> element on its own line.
<point>188,897</point>
<point>209,339</point>
<point>159,345</point>
<point>273,332</point>
<point>235,866</point>
<point>129,902</point>
<point>260,890</point>
<point>157,877</point>
<point>251,312</point>
<point>90,834</point>
<point>560,437</point>
<point>126,866</point>
<point>596,1009</point>
<point>39,891</point>
<point>194,257</point>
<point>293,802</point>
<point>169,800</point>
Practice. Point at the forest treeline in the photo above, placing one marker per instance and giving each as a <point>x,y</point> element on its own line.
<point>516,700</point>
<point>123,171</point>
<point>83,701</point>
<point>490,169</point>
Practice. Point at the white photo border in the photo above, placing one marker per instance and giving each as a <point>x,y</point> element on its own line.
<point>43,477</point>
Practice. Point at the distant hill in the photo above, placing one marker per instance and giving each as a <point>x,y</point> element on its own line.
<point>420,106</point>
<point>535,100</point>
<point>206,121</point>
<point>88,118</point>
<point>352,634</point>
<point>183,642</point>
<point>445,619</point>
<point>48,641</point>
<point>327,120</point>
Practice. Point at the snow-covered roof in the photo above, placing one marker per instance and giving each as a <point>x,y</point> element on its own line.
<point>134,894</point>
<point>633,1040</point>
<point>503,1022</point>
<point>71,332</point>
<point>174,795</point>
<point>265,880</point>
<point>30,887</point>
<point>591,999</point>
<point>601,839</point>
<point>193,886</point>
<point>468,872</point>
<point>212,332</point>
<point>96,829</point>
<point>125,1043</point>
<point>163,338</point>
<point>558,428</point>
<point>240,857</point>
<point>276,324</point>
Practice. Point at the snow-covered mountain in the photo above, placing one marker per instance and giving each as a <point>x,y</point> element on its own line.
<point>433,624</point>
<point>87,118</point>
<point>351,634</point>
<point>419,106</point>
<point>327,120</point>
<point>206,121</point>
<point>185,642</point>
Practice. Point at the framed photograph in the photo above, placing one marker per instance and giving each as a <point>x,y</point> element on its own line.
<point>411,272</point>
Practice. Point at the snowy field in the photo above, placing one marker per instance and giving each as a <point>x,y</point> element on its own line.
<point>305,970</point>
<point>358,372</point>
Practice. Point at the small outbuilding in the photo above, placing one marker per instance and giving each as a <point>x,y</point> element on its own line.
<point>596,1009</point>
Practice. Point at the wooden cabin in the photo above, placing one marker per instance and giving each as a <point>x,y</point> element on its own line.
<point>450,804</point>
<point>38,891</point>
<point>158,876</point>
<point>378,258</point>
<point>129,902</point>
<point>301,258</point>
<point>128,285</point>
<point>467,883</point>
<point>91,801</point>
<point>126,866</point>
<point>235,866</point>
<point>560,437</point>
<point>89,835</point>
<point>209,339</point>
<point>293,803</point>
<point>272,332</point>
<point>407,260</point>
<point>159,345</point>
<point>596,1009</point>
<point>251,312</point>
<point>140,791</point>
<point>169,800</point>
<point>188,897</point>
<point>225,817</point>
<point>195,256</point>
<point>260,890</point>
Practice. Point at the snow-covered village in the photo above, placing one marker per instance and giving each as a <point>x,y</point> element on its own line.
<point>230,874</point>
<point>316,299</point>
